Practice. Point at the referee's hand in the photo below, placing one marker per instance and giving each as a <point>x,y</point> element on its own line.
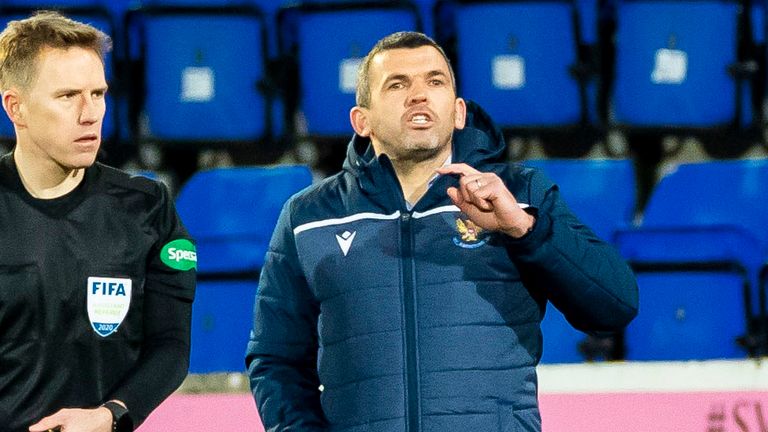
<point>76,420</point>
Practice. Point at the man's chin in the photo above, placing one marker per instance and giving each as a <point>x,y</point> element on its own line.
<point>422,151</point>
<point>82,161</point>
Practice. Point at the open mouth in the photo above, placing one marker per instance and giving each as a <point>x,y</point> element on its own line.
<point>419,118</point>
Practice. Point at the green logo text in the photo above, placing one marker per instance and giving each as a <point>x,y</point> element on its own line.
<point>179,254</point>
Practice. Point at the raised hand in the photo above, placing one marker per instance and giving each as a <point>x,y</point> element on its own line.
<point>485,199</point>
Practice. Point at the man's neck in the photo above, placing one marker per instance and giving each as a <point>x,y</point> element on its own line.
<point>415,176</point>
<point>43,178</point>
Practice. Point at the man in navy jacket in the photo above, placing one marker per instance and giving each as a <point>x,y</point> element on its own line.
<point>406,292</point>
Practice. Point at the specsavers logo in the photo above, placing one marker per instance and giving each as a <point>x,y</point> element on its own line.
<point>179,255</point>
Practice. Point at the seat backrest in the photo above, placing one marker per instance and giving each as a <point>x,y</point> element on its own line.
<point>687,316</point>
<point>203,76</point>
<point>232,212</point>
<point>601,192</point>
<point>328,42</point>
<point>712,193</point>
<point>517,59</point>
<point>672,71</point>
<point>221,317</point>
<point>697,253</point>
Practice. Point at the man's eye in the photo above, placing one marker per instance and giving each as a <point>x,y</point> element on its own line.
<point>396,86</point>
<point>437,82</point>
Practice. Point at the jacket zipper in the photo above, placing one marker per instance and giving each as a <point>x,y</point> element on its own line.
<point>409,305</point>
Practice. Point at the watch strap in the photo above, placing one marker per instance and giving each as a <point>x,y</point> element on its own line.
<point>121,418</point>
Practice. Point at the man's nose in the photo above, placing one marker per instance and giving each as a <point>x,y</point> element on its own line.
<point>91,110</point>
<point>418,93</point>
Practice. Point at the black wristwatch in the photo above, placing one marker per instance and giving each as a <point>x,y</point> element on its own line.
<point>121,418</point>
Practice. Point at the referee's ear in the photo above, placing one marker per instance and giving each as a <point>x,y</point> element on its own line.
<point>12,106</point>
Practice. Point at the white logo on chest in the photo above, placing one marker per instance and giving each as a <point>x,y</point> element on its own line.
<point>345,241</point>
<point>109,300</point>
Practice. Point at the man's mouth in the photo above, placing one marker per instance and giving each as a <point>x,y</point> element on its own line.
<point>87,138</point>
<point>420,117</point>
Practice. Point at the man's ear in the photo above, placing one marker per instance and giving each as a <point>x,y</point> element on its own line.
<point>460,117</point>
<point>358,116</point>
<point>12,106</point>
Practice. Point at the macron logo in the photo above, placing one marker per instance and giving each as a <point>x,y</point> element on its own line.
<point>345,240</point>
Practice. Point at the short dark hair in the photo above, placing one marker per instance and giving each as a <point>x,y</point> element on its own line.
<point>404,39</point>
<point>22,41</point>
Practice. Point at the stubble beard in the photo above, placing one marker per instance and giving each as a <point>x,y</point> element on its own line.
<point>416,150</point>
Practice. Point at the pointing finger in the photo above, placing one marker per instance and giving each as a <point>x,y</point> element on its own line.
<point>457,169</point>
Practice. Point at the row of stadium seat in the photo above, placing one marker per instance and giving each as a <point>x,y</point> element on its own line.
<point>231,213</point>
<point>699,251</point>
<point>699,254</point>
<point>222,73</point>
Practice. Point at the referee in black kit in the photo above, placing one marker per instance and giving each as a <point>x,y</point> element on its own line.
<point>97,273</point>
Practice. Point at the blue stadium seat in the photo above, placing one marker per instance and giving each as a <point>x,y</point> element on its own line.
<point>693,298</point>
<point>697,255</point>
<point>560,340</point>
<point>90,12</point>
<point>603,194</point>
<point>327,41</point>
<point>674,75</point>
<point>715,193</point>
<point>203,80</point>
<point>522,61</point>
<point>221,316</point>
<point>687,316</point>
<point>231,213</point>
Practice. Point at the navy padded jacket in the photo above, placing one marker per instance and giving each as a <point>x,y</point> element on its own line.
<point>373,317</point>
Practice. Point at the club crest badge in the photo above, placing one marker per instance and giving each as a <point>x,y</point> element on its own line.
<point>109,300</point>
<point>470,236</point>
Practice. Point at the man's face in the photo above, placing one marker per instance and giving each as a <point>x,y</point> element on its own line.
<point>413,109</point>
<point>62,111</point>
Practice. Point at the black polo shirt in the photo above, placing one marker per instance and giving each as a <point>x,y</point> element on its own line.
<point>95,296</point>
